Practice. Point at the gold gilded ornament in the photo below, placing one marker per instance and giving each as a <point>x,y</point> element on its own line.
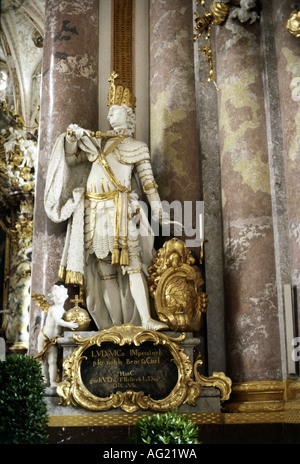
<point>217,380</point>
<point>219,11</point>
<point>293,24</point>
<point>119,93</point>
<point>174,284</point>
<point>72,389</point>
<point>217,15</point>
<point>41,302</point>
<point>37,38</point>
<point>78,315</point>
<point>75,388</point>
<point>99,134</point>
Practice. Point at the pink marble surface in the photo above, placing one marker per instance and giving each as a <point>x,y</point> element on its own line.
<point>69,95</point>
<point>253,344</point>
<point>174,137</point>
<point>288,70</point>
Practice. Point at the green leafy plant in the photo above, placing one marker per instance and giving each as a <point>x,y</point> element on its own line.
<point>23,412</point>
<point>165,428</point>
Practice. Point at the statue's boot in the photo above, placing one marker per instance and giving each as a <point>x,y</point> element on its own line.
<point>152,324</point>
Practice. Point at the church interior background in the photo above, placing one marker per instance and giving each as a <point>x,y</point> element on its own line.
<point>217,86</point>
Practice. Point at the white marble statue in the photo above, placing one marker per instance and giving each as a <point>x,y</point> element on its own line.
<point>245,11</point>
<point>47,349</point>
<point>93,183</point>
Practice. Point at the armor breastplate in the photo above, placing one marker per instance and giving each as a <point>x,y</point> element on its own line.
<point>98,181</point>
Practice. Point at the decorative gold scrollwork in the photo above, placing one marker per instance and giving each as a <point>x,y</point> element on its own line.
<point>217,15</point>
<point>174,284</point>
<point>217,380</point>
<point>72,389</point>
<point>293,24</point>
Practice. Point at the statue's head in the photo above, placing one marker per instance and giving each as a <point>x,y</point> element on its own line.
<point>121,102</point>
<point>59,294</point>
<point>122,118</point>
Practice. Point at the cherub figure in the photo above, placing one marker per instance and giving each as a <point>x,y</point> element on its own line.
<point>47,349</point>
<point>245,11</point>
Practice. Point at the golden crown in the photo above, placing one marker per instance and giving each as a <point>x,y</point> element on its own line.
<point>119,93</point>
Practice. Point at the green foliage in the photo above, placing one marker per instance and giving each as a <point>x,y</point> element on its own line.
<point>23,412</point>
<point>165,428</point>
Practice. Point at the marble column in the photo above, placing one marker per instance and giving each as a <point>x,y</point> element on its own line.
<point>69,96</point>
<point>275,120</point>
<point>253,342</point>
<point>173,122</point>
<point>207,115</point>
<point>288,70</point>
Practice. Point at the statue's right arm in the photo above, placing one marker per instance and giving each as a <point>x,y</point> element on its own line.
<point>74,155</point>
<point>57,315</point>
<point>71,145</point>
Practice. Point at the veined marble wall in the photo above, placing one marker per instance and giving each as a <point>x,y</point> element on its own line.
<point>249,144</point>
<point>251,303</point>
<point>174,140</point>
<point>288,70</point>
<point>69,96</point>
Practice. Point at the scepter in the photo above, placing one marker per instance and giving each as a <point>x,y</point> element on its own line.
<point>99,134</point>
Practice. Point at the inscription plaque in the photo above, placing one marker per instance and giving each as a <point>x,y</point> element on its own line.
<point>130,368</point>
<point>111,368</point>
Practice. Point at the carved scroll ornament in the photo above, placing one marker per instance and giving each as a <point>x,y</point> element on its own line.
<point>109,372</point>
<point>293,24</point>
<point>175,285</point>
<point>105,371</point>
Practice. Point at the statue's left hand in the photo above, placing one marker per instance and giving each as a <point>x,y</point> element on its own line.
<point>164,219</point>
<point>75,130</point>
<point>73,325</point>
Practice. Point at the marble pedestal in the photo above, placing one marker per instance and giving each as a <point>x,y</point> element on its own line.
<point>208,402</point>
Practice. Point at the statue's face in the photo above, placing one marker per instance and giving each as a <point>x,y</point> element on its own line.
<point>59,294</point>
<point>117,117</point>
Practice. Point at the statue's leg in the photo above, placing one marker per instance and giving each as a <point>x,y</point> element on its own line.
<point>52,363</point>
<point>140,294</point>
<point>44,366</point>
<point>44,363</point>
<point>110,291</point>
